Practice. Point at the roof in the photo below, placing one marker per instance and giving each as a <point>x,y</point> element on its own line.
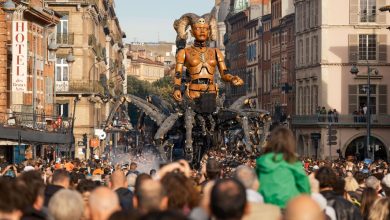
<point>147,61</point>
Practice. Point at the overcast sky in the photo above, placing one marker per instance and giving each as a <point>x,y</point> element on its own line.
<point>152,20</point>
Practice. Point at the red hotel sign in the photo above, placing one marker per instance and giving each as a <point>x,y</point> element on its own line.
<point>19,56</point>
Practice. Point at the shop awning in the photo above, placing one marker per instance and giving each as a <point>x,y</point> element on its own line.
<point>25,135</point>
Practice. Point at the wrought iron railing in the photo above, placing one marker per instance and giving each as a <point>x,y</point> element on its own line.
<point>340,119</point>
<point>41,122</point>
<point>65,38</point>
<point>81,86</point>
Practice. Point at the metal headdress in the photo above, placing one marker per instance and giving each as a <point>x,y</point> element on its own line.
<point>181,25</point>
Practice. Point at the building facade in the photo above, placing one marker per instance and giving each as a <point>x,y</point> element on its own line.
<point>235,45</point>
<point>27,80</point>
<point>327,46</point>
<point>144,68</point>
<point>89,32</point>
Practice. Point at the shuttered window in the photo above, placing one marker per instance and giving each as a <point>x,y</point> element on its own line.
<point>353,47</point>
<point>352,99</point>
<point>382,102</point>
<point>353,11</point>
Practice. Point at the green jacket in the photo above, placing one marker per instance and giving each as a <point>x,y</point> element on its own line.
<point>280,181</point>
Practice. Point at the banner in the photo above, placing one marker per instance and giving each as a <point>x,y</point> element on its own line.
<point>19,56</point>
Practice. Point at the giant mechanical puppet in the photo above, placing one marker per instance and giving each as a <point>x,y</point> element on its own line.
<point>197,121</point>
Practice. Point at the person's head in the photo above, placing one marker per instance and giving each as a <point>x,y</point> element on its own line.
<point>326,177</point>
<point>85,187</point>
<point>34,186</point>
<point>12,200</point>
<point>380,209</point>
<point>180,191</point>
<point>247,176</point>
<point>373,182</point>
<point>152,172</point>
<point>360,178</point>
<point>339,187</point>
<point>228,199</point>
<point>303,207</point>
<point>150,196</point>
<point>102,203</point>
<point>351,184</point>
<point>140,180</point>
<point>66,204</point>
<point>133,166</point>
<point>61,178</point>
<point>213,169</point>
<point>369,196</point>
<point>282,141</point>
<point>202,28</point>
<point>118,180</point>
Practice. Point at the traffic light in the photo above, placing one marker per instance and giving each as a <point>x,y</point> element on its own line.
<point>85,139</point>
<point>332,135</point>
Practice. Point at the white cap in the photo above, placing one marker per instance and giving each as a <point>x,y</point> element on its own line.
<point>315,167</point>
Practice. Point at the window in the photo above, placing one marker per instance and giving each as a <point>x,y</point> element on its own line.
<point>62,70</point>
<point>314,101</point>
<point>367,10</point>
<point>315,50</point>
<point>63,110</point>
<point>307,51</point>
<point>357,96</point>
<point>367,47</point>
<point>62,30</point>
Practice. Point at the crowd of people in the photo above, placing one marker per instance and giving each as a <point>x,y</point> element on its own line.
<point>276,185</point>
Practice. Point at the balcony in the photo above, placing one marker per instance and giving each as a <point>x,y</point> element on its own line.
<point>65,39</point>
<point>79,87</point>
<point>35,128</point>
<point>341,120</point>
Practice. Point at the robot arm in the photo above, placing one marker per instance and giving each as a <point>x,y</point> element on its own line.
<point>180,59</point>
<point>225,76</point>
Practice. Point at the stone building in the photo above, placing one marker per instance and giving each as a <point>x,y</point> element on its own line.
<point>282,57</point>
<point>144,68</point>
<point>235,45</point>
<point>331,37</point>
<point>89,33</point>
<point>26,79</point>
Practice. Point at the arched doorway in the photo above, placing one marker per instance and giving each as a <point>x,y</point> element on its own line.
<point>356,148</point>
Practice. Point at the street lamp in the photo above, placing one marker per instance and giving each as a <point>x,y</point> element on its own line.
<point>70,58</point>
<point>354,71</point>
<point>9,6</point>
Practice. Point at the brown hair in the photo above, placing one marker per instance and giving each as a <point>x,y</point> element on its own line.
<point>180,190</point>
<point>282,141</point>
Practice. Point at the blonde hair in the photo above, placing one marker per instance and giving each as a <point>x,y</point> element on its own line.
<point>380,209</point>
<point>351,184</point>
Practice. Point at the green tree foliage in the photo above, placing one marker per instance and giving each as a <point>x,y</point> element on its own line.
<point>162,87</point>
